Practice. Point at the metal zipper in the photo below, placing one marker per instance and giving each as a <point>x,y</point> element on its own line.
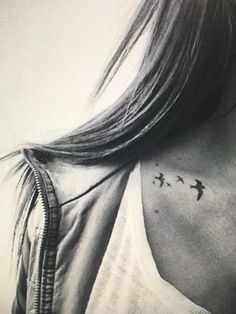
<point>43,200</point>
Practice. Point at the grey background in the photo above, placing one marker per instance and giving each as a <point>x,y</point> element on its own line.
<point>51,55</point>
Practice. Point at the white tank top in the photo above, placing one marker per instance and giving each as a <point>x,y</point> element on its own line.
<point>128,280</point>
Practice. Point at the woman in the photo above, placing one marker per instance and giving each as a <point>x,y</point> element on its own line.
<point>134,211</point>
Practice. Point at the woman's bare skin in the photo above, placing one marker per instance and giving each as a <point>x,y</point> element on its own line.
<point>189,200</point>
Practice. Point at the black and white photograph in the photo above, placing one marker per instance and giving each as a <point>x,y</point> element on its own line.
<point>118,157</point>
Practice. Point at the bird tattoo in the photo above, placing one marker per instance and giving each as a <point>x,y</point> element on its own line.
<point>180,179</point>
<point>199,187</point>
<point>161,179</point>
<point>168,184</point>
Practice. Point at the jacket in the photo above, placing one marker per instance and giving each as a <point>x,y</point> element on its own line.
<point>74,203</point>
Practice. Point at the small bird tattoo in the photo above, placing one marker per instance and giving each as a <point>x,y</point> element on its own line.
<point>199,187</point>
<point>161,179</point>
<point>168,184</point>
<point>180,179</point>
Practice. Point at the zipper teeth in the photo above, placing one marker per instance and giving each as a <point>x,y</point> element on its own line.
<point>39,182</point>
<point>42,240</point>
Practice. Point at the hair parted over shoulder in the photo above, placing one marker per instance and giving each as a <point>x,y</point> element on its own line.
<point>179,83</point>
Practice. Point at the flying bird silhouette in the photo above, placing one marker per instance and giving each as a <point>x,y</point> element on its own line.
<point>161,179</point>
<point>180,179</point>
<point>199,187</point>
<point>168,184</point>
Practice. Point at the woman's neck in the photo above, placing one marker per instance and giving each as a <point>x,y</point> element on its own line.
<point>223,122</point>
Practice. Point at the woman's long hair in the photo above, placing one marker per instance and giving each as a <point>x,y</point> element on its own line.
<point>179,83</point>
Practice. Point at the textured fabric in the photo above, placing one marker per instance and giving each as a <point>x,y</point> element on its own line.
<point>128,280</point>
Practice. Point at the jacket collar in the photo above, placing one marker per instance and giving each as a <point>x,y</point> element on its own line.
<point>70,181</point>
